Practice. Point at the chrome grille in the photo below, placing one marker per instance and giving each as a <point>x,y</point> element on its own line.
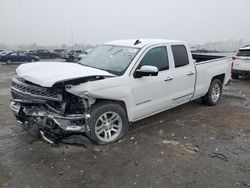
<point>27,90</point>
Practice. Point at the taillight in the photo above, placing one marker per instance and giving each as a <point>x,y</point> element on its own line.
<point>234,57</point>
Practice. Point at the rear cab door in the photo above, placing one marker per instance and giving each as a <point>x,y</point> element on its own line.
<point>184,74</point>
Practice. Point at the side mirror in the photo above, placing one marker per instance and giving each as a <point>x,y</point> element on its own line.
<point>146,70</point>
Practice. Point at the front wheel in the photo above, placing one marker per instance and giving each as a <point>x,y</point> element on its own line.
<point>214,93</point>
<point>235,75</point>
<point>108,122</point>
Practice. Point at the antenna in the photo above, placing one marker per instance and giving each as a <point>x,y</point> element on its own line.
<point>137,42</point>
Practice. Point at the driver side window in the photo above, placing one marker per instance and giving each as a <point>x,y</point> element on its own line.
<point>157,57</point>
<point>13,54</point>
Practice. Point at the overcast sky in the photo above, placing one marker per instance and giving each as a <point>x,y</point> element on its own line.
<point>49,22</point>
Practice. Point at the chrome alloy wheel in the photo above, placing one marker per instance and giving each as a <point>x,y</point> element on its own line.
<point>216,91</point>
<point>108,126</point>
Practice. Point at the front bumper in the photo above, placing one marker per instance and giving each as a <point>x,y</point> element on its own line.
<point>44,118</point>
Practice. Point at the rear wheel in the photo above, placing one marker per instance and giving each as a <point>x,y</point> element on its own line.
<point>8,61</point>
<point>32,60</point>
<point>214,93</point>
<point>235,75</point>
<point>108,122</point>
<point>71,59</point>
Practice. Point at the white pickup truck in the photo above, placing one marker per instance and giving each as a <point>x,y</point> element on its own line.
<point>117,83</point>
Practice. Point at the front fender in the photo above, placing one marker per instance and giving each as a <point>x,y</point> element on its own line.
<point>116,88</point>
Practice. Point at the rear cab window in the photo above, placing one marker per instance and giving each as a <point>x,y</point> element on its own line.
<point>180,55</point>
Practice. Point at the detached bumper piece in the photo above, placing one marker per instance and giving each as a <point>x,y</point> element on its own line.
<point>51,127</point>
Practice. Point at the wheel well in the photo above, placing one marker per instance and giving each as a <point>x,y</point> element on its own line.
<point>221,77</point>
<point>121,103</point>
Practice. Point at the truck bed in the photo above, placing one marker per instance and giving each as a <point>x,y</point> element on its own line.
<point>208,66</point>
<point>205,57</point>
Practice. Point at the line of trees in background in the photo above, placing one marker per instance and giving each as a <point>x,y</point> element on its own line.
<point>224,46</point>
<point>228,45</point>
<point>35,46</point>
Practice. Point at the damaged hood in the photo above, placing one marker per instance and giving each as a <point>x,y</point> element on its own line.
<point>48,73</point>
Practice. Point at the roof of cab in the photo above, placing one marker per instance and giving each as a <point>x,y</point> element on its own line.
<point>141,43</point>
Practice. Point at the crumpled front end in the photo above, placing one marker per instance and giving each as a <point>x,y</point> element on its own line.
<point>50,113</point>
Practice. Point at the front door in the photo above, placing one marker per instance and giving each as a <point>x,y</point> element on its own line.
<point>149,92</point>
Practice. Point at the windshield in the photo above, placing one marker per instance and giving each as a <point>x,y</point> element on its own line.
<point>5,52</point>
<point>244,53</point>
<point>114,59</point>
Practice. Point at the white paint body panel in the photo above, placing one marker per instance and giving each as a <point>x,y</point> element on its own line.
<point>142,96</point>
<point>207,70</point>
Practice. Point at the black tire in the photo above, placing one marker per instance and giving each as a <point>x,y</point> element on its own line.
<point>235,75</point>
<point>97,111</point>
<point>8,61</point>
<point>214,93</point>
<point>71,59</point>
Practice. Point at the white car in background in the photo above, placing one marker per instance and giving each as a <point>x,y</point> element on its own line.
<point>75,55</point>
<point>241,63</point>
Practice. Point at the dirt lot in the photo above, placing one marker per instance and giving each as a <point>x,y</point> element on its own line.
<point>190,146</point>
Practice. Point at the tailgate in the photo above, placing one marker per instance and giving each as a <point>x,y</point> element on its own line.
<point>242,63</point>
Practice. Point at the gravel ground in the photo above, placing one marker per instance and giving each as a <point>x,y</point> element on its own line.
<point>189,146</point>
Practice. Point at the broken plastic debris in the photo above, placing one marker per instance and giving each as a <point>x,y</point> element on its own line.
<point>191,148</point>
<point>160,132</point>
<point>219,156</point>
<point>79,140</point>
<point>96,149</point>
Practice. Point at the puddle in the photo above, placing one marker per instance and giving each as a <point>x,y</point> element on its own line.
<point>187,146</point>
<point>4,91</point>
<point>6,131</point>
<point>245,104</point>
<point>6,76</point>
<point>170,142</point>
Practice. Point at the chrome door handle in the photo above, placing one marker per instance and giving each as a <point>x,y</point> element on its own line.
<point>168,79</point>
<point>190,73</point>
